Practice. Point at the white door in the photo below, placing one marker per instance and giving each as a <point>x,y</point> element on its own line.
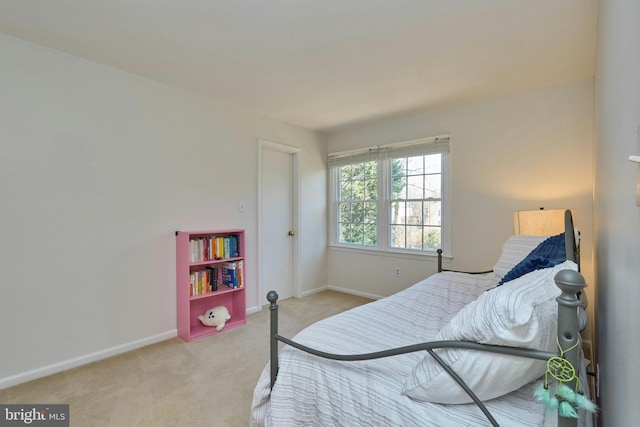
<point>278,234</point>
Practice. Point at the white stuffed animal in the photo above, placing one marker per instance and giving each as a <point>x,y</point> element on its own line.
<point>216,316</point>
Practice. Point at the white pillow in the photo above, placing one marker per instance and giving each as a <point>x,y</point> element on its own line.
<point>522,314</point>
<point>514,250</point>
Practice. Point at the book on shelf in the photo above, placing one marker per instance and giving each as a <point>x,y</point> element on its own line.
<point>213,277</point>
<point>219,247</point>
<point>207,280</point>
<point>214,248</point>
<point>200,282</point>
<point>233,274</point>
<point>229,275</point>
<point>240,271</point>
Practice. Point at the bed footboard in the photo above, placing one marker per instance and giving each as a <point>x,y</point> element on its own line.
<point>272,297</point>
<point>570,283</point>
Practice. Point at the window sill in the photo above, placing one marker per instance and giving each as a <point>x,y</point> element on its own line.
<point>395,253</point>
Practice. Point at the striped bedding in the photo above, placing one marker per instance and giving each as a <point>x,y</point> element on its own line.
<point>311,391</point>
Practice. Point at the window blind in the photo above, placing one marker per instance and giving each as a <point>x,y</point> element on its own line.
<point>432,145</point>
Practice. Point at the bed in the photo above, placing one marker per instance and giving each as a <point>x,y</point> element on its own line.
<point>454,349</point>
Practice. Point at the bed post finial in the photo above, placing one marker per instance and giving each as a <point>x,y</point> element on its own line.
<point>272,297</point>
<point>570,283</point>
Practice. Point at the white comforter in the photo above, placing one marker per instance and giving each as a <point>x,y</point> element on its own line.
<point>311,391</point>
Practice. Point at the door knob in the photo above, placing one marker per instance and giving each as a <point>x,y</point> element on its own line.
<point>291,233</point>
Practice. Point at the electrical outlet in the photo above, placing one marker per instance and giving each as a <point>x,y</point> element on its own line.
<point>396,272</point>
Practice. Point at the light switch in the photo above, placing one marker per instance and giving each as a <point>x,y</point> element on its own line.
<point>638,172</point>
<point>242,206</point>
<point>638,188</point>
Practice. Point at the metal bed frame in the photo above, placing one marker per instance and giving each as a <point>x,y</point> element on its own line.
<point>570,282</point>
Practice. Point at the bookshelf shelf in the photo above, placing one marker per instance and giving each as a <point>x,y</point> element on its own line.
<point>209,262</point>
<point>214,293</point>
<point>210,271</point>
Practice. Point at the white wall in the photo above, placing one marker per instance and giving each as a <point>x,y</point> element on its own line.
<point>616,216</point>
<point>510,153</point>
<point>98,169</point>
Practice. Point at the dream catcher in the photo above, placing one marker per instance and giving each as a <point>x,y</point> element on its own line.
<point>565,400</point>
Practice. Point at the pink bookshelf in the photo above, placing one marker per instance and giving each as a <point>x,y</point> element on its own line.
<point>203,259</point>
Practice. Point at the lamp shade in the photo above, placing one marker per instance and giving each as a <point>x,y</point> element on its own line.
<point>541,222</point>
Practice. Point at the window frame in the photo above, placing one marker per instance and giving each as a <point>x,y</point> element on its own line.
<point>384,193</point>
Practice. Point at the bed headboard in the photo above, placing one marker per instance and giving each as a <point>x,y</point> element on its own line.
<point>571,238</point>
<point>545,222</point>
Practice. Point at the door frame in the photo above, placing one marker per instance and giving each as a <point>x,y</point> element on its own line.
<point>295,154</point>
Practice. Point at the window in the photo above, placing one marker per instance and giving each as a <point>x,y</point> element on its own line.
<point>391,197</point>
<point>357,203</point>
<point>415,202</point>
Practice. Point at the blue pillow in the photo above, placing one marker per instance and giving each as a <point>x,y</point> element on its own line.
<point>550,252</point>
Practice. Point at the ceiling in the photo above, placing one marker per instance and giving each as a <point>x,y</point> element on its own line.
<point>324,64</point>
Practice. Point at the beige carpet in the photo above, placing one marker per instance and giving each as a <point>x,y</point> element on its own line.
<point>204,383</point>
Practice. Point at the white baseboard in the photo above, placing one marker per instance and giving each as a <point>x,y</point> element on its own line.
<point>339,289</point>
<point>352,292</point>
<point>252,310</point>
<point>83,360</point>
<point>313,291</point>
